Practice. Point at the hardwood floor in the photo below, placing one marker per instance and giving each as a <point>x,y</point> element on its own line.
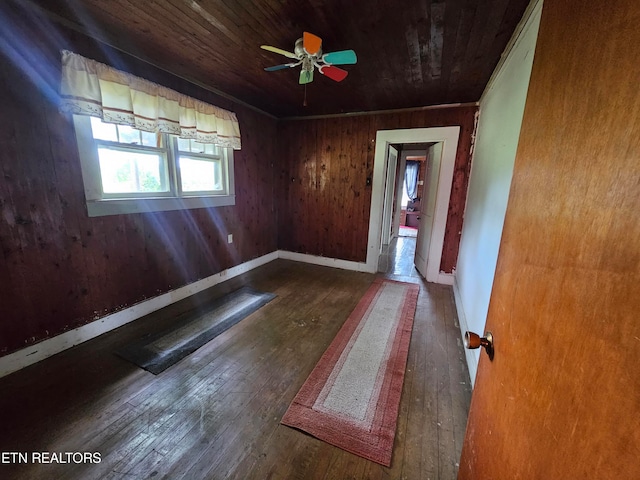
<point>397,257</point>
<point>216,413</point>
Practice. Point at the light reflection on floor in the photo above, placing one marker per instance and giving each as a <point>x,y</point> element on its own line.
<point>397,257</point>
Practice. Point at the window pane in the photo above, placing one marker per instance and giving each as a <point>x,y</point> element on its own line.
<point>200,175</point>
<point>128,134</point>
<point>190,145</point>
<point>131,172</point>
<point>184,144</point>
<point>150,139</point>
<point>103,131</point>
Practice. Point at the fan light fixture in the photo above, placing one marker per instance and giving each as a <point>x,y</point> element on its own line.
<point>308,53</point>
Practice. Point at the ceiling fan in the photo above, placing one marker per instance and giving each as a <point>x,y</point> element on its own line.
<point>308,53</point>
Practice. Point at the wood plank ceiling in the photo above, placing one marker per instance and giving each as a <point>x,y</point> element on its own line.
<point>411,53</point>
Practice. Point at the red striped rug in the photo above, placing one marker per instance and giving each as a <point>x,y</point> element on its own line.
<point>352,396</point>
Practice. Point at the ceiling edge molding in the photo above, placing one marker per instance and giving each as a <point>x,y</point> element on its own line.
<point>383,112</point>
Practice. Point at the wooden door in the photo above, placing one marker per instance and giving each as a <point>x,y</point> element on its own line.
<point>427,211</point>
<point>561,399</point>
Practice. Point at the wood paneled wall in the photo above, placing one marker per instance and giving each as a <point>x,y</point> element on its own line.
<point>60,269</point>
<point>324,199</point>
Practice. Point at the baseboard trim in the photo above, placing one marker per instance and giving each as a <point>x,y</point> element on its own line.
<point>325,261</point>
<point>35,353</point>
<point>446,278</point>
<point>472,356</point>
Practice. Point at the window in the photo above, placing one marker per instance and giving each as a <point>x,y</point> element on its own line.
<point>157,149</point>
<point>126,170</point>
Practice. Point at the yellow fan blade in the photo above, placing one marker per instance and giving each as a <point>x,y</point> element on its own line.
<point>280,51</point>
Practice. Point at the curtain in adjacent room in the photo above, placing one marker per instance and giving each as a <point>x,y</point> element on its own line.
<point>92,88</point>
<point>411,178</point>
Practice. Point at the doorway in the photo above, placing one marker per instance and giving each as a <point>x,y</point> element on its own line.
<point>405,195</point>
<point>448,138</point>
<point>409,184</point>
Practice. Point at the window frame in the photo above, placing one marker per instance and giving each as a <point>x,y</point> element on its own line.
<point>178,154</point>
<point>101,204</point>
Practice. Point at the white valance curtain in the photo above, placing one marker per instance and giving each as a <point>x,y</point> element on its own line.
<point>92,88</point>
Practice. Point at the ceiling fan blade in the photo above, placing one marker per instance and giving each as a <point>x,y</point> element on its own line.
<point>334,73</point>
<point>275,68</point>
<point>306,76</point>
<point>343,57</point>
<point>311,43</point>
<point>280,51</point>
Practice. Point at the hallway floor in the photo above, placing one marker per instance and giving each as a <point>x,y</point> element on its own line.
<point>397,258</point>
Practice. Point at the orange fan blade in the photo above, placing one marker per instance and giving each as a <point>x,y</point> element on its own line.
<point>311,43</point>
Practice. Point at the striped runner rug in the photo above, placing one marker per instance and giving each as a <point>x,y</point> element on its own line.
<point>352,396</point>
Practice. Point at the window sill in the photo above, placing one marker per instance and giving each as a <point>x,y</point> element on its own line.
<point>101,208</point>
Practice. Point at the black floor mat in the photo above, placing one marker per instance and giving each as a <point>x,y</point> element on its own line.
<point>157,352</point>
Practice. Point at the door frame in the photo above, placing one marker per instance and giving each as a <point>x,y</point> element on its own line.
<point>449,137</point>
<point>399,180</point>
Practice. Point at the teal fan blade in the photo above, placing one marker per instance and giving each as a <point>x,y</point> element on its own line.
<point>344,57</point>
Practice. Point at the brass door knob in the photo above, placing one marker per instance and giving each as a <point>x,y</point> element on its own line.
<point>473,341</point>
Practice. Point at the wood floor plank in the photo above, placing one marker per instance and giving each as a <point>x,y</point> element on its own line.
<point>459,379</point>
<point>433,362</point>
<point>216,414</point>
<point>446,444</point>
<point>415,392</point>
